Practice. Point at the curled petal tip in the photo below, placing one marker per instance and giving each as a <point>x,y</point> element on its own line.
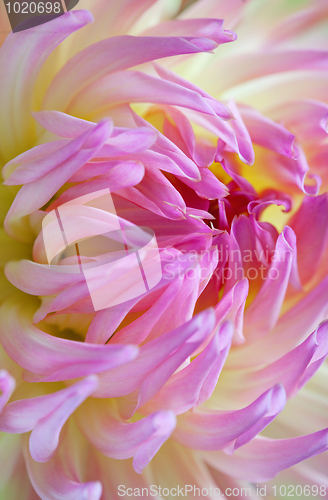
<point>83,16</point>
<point>7,386</point>
<point>92,491</point>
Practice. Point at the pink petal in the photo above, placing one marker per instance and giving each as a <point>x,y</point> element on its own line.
<point>194,384</point>
<point>242,68</point>
<point>262,459</point>
<point>39,279</point>
<point>133,86</point>
<point>264,311</point>
<point>7,387</point>
<point>292,371</point>
<point>215,106</point>
<point>207,28</point>
<point>22,56</point>
<point>115,54</point>
<point>291,329</point>
<point>267,133</point>
<point>183,135</point>
<point>165,153</point>
<point>53,479</point>
<point>157,360</point>
<point>45,416</point>
<point>32,170</point>
<point>216,429</point>
<point>307,118</point>
<point>313,214</point>
<point>26,202</point>
<point>245,146</point>
<point>61,124</point>
<point>50,358</point>
<point>118,439</point>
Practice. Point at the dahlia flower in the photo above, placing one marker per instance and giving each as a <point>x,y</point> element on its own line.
<point>164,284</point>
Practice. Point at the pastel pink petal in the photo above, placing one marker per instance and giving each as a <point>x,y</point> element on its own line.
<point>292,370</point>
<point>157,360</point>
<point>218,108</point>
<point>264,311</point>
<point>106,321</point>
<point>34,154</point>
<point>313,214</point>
<point>243,138</point>
<point>307,118</point>
<point>153,382</point>
<point>232,306</point>
<point>129,141</point>
<point>242,68</point>
<point>220,128</point>
<point>50,358</point>
<point>167,148</point>
<point>194,384</point>
<point>115,54</point>
<point>133,86</point>
<point>183,136</point>
<point>207,28</point>
<point>26,202</point>
<point>298,24</point>
<point>263,458</point>
<point>62,124</point>
<point>267,133</point>
<point>256,207</point>
<point>209,187</point>
<point>214,430</point>
<point>296,172</point>
<point>7,387</point>
<point>34,169</point>
<point>111,170</point>
<point>39,279</point>
<point>119,179</point>
<point>22,56</point>
<point>119,439</point>
<point>292,328</point>
<point>137,331</point>
<point>52,480</point>
<point>45,416</point>
<point>63,300</point>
